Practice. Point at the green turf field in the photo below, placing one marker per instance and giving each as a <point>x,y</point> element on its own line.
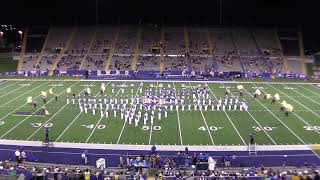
<point>67,124</point>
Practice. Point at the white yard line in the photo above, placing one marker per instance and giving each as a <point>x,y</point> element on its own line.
<point>5,94</point>
<point>9,85</point>
<point>316,94</point>
<point>19,107</point>
<point>24,94</point>
<point>229,118</point>
<point>178,117</point>
<point>295,100</point>
<point>301,119</point>
<point>205,121</point>
<point>43,124</point>
<point>306,97</point>
<point>74,120</point>
<point>151,124</point>
<point>124,124</point>
<point>276,117</point>
<point>97,123</point>
<point>31,115</point>
<point>258,123</point>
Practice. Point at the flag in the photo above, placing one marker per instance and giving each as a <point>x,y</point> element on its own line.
<point>69,90</point>
<point>46,112</point>
<point>277,97</point>
<point>29,99</point>
<point>240,87</point>
<point>43,93</point>
<point>268,96</point>
<point>258,92</point>
<point>88,90</point>
<point>289,107</point>
<point>284,103</point>
<point>50,91</point>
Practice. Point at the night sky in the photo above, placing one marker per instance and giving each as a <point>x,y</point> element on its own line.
<point>304,13</point>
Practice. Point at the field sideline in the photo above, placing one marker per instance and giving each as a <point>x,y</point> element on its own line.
<point>181,128</point>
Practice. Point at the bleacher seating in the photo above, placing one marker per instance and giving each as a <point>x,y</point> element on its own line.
<point>233,49</point>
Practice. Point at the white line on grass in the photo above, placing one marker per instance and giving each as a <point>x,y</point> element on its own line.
<point>306,97</point>
<point>74,120</point>
<point>5,94</point>
<point>9,85</point>
<point>229,119</point>
<point>316,94</point>
<point>296,116</point>
<point>151,124</point>
<point>19,107</point>
<point>175,92</point>
<point>31,115</point>
<point>43,124</point>
<point>295,100</point>
<point>275,117</point>
<point>98,122</point>
<point>258,123</point>
<point>205,121</point>
<point>124,124</point>
<point>24,94</point>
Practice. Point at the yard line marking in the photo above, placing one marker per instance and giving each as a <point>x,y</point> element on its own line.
<point>30,115</point>
<point>9,85</point>
<point>124,124</point>
<point>258,123</point>
<point>301,119</point>
<point>19,107</point>
<point>43,124</point>
<point>74,119</point>
<point>308,97</point>
<point>296,100</point>
<point>151,127</point>
<point>205,121</point>
<point>228,117</point>
<point>275,117</point>
<point>14,90</point>
<point>24,93</point>
<point>316,94</point>
<point>175,92</point>
<point>98,121</point>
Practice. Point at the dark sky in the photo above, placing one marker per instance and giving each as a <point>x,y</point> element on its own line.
<point>187,12</point>
<point>243,12</point>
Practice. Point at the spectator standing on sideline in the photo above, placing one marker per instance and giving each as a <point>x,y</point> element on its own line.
<point>18,156</point>
<point>153,149</point>
<point>84,156</point>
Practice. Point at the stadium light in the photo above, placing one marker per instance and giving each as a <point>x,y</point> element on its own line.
<point>20,32</point>
<point>1,33</point>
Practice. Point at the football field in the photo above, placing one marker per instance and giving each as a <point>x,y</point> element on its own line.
<point>67,124</point>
